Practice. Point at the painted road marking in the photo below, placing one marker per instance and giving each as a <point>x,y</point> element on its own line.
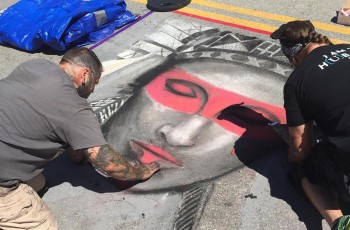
<point>270,16</point>
<point>240,23</point>
<point>247,24</point>
<point>229,22</point>
<point>228,19</point>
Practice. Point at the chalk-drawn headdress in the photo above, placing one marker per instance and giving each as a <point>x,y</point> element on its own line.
<point>180,40</point>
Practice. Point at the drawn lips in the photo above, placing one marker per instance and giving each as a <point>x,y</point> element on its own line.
<point>147,153</point>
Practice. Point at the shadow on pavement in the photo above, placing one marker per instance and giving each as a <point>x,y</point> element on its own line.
<point>275,168</point>
<point>252,149</point>
<point>63,170</point>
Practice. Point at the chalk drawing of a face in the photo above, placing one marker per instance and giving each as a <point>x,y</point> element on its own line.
<point>174,119</point>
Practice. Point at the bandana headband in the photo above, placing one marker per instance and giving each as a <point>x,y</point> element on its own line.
<point>291,47</point>
<point>291,51</point>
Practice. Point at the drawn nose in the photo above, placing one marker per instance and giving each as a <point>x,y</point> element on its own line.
<point>184,133</point>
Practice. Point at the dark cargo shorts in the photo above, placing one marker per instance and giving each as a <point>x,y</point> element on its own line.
<point>328,166</point>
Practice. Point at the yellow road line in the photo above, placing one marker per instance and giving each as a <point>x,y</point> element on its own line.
<point>229,19</point>
<point>223,18</point>
<point>140,1</point>
<point>233,20</point>
<point>270,16</point>
<point>241,22</point>
<point>337,41</point>
<point>256,13</point>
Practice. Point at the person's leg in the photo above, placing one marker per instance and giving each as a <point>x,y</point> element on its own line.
<point>323,183</point>
<point>324,199</point>
<point>22,208</point>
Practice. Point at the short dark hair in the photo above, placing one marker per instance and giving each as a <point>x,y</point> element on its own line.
<point>84,57</point>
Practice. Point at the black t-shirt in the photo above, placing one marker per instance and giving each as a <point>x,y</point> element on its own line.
<point>319,90</point>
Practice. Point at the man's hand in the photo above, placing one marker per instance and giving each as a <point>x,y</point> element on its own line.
<point>108,161</point>
<point>148,169</point>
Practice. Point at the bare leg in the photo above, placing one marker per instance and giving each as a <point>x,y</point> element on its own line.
<point>325,200</point>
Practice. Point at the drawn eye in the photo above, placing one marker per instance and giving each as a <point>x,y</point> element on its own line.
<point>177,93</point>
<point>190,90</point>
<point>182,88</point>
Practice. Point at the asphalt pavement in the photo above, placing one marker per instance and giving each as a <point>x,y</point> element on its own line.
<point>252,194</point>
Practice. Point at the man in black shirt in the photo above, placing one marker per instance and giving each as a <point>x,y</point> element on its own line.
<point>318,91</point>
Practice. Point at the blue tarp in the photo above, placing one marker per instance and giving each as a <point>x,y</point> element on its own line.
<point>60,24</point>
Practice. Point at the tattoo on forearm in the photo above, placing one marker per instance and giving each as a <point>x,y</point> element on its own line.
<point>108,160</point>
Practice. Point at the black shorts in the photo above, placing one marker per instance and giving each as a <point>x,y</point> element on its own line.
<point>326,166</point>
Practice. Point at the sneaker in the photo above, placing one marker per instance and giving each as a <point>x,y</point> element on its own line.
<point>342,223</point>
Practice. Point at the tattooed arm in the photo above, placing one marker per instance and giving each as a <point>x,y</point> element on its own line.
<point>107,160</point>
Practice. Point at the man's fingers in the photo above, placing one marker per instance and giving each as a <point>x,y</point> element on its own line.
<point>154,166</point>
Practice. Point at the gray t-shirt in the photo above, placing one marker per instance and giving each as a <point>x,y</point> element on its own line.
<point>40,115</point>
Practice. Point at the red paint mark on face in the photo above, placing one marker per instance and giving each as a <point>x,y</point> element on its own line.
<point>147,153</point>
<point>185,93</point>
